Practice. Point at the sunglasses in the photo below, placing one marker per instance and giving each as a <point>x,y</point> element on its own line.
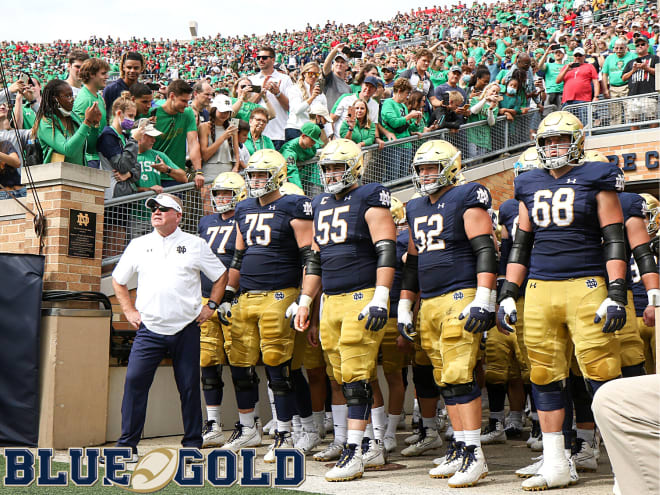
<point>263,57</point>
<point>161,208</point>
<point>313,74</point>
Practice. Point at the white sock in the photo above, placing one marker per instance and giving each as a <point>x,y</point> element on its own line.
<point>271,399</point>
<point>340,421</point>
<point>535,416</point>
<point>459,436</point>
<point>296,423</point>
<point>379,421</point>
<point>586,435</point>
<point>473,437</point>
<point>213,413</point>
<point>319,419</point>
<point>429,423</point>
<point>392,423</point>
<point>283,426</point>
<point>246,419</point>
<point>355,437</point>
<point>308,423</point>
<point>515,416</point>
<point>553,446</point>
<point>369,431</point>
<point>498,415</point>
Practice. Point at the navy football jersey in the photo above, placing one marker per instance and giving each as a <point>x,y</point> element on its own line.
<point>564,216</point>
<point>272,259</point>
<point>446,260</point>
<point>221,237</point>
<point>395,292</point>
<point>633,206</point>
<point>348,257</point>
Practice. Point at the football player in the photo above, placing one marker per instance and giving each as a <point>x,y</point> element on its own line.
<point>219,231</point>
<point>273,232</point>
<point>506,358</point>
<point>572,204</point>
<point>354,258</point>
<point>452,262</point>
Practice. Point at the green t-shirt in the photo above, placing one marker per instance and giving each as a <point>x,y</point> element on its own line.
<point>477,53</point>
<point>84,100</point>
<point>29,116</point>
<point>359,135</point>
<point>264,142</point>
<point>438,77</point>
<point>393,115</point>
<point>245,110</point>
<point>294,154</point>
<point>149,177</point>
<point>480,135</point>
<point>552,70</point>
<point>501,47</point>
<point>175,129</point>
<point>614,65</point>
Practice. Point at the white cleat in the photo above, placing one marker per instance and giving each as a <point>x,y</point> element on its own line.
<point>414,438</point>
<point>212,435</point>
<point>307,441</point>
<point>473,468</point>
<point>243,436</point>
<point>390,443</point>
<point>532,469</point>
<point>585,460</point>
<point>572,469</point>
<point>375,453</point>
<point>494,433</point>
<point>283,440</point>
<point>270,427</point>
<point>328,423</point>
<point>331,453</point>
<point>535,434</point>
<point>349,466</point>
<point>428,440</point>
<point>446,466</point>
<point>555,475</point>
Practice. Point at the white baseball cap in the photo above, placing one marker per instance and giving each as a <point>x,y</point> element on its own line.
<point>222,103</point>
<point>165,199</point>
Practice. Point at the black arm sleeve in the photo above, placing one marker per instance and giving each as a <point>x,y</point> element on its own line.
<point>614,242</point>
<point>521,250</point>
<point>313,263</point>
<point>237,260</point>
<point>644,259</point>
<point>484,249</point>
<point>386,251</point>
<point>409,277</point>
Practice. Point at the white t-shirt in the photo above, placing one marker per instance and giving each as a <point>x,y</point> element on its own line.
<point>299,108</point>
<point>275,128</point>
<point>342,110</point>
<point>169,292</point>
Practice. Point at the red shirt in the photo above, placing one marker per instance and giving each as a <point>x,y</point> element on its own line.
<point>577,83</point>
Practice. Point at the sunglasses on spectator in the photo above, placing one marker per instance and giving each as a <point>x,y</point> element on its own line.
<point>263,57</point>
<point>161,208</point>
<point>314,74</point>
<point>578,55</point>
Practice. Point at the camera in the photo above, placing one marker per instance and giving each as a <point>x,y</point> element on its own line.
<point>256,89</point>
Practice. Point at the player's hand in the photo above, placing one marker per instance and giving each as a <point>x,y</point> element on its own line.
<point>300,306</point>
<point>376,309</point>
<point>134,318</point>
<point>649,316</point>
<point>507,315</point>
<point>224,310</point>
<point>479,312</point>
<point>614,313</point>
<point>405,323</point>
<point>313,336</point>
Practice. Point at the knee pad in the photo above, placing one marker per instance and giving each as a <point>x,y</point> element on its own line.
<point>549,397</point>
<point>245,379</point>
<point>634,370</point>
<point>425,386</point>
<point>212,378</point>
<point>358,393</point>
<point>461,393</point>
<point>594,385</point>
<point>281,382</point>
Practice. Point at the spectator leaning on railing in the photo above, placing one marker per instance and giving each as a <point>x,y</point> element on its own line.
<point>639,73</point>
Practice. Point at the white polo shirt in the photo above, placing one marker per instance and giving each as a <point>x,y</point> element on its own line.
<point>169,292</point>
<point>275,128</point>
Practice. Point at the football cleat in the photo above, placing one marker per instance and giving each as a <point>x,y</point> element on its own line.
<point>585,460</point>
<point>349,466</point>
<point>473,468</point>
<point>513,429</point>
<point>445,157</point>
<point>494,432</point>
<point>550,475</point>
<point>283,440</point>
<point>307,441</point>
<point>560,124</point>
<point>410,439</point>
<point>331,453</point>
<point>270,427</point>
<point>452,461</point>
<point>390,443</point>
<point>373,453</point>
<point>243,436</point>
<point>428,440</point>
<point>212,435</point>
<point>532,469</point>
<point>535,434</point>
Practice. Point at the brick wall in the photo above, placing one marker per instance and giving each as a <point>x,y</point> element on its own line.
<point>12,236</point>
<point>500,186</point>
<point>641,172</point>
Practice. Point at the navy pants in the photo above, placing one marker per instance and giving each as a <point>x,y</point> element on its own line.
<point>148,351</point>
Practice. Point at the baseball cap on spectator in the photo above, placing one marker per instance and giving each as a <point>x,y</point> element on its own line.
<point>579,51</point>
<point>221,103</point>
<point>318,108</point>
<point>560,49</point>
<point>635,24</point>
<point>455,68</point>
<point>341,56</point>
<point>167,200</point>
<point>149,128</point>
<point>642,38</point>
<point>539,51</point>
<point>388,69</point>
<point>312,131</point>
<point>374,81</point>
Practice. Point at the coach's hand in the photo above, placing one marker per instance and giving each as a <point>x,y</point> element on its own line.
<point>479,312</point>
<point>376,309</point>
<point>405,320</point>
<point>134,318</point>
<point>205,314</point>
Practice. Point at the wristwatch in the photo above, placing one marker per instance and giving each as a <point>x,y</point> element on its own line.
<point>212,305</point>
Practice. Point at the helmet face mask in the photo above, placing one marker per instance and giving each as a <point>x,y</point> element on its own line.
<point>442,155</point>
<point>553,156</point>
<point>340,152</point>
<point>268,162</point>
<point>651,210</point>
<point>231,182</point>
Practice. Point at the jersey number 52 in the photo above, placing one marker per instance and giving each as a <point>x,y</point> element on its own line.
<point>427,236</point>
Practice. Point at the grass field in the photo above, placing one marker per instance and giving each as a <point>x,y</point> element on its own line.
<point>171,489</point>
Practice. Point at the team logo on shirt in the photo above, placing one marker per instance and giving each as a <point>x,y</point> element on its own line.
<point>307,208</point>
<point>592,283</point>
<point>620,182</point>
<point>385,198</point>
<point>482,196</point>
<point>358,296</point>
<point>181,249</point>
<point>272,207</point>
<point>571,181</point>
<point>279,296</point>
<point>458,296</point>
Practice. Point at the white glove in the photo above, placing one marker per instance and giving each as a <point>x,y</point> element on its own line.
<point>224,310</point>
<point>480,312</point>
<point>405,320</point>
<point>376,309</point>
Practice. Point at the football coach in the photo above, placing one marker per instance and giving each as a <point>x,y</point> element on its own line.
<point>167,314</point>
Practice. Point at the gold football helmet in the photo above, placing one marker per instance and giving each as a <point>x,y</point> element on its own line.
<point>652,212</point>
<point>440,153</point>
<point>341,151</point>
<point>398,211</point>
<point>228,181</point>
<point>271,162</point>
<point>560,124</point>
<point>291,188</point>
<point>528,160</point>
<point>594,156</point>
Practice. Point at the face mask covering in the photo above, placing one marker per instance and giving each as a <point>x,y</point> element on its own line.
<point>127,124</point>
<point>511,91</point>
<point>467,78</point>
<point>66,113</point>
